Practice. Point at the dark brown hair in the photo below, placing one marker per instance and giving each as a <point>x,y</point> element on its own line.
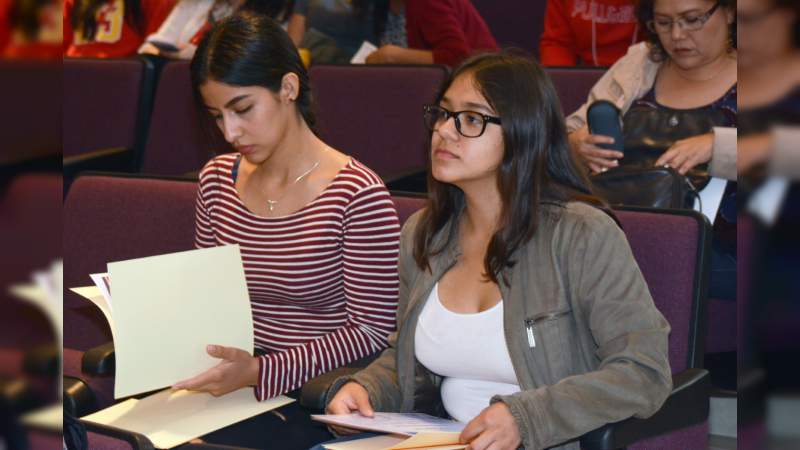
<point>250,49</point>
<point>537,164</point>
<point>645,13</point>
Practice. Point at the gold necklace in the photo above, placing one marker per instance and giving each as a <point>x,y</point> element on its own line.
<point>271,203</point>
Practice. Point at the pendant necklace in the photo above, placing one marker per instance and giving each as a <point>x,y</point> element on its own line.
<point>271,203</point>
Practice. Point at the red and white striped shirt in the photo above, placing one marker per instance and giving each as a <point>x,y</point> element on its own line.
<point>323,281</point>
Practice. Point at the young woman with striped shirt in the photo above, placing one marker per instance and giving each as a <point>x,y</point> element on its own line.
<point>318,231</point>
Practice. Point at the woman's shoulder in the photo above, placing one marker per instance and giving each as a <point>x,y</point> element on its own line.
<point>358,177</point>
<point>220,165</point>
<point>575,219</point>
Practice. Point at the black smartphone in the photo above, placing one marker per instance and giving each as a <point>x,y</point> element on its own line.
<point>604,119</point>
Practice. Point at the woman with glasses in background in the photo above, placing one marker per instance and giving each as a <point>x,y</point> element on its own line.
<point>676,93</point>
<point>506,318</point>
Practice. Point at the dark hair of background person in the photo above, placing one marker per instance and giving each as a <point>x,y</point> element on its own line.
<point>537,166</point>
<point>250,49</point>
<point>24,16</point>
<point>645,13</point>
<point>84,16</point>
<point>280,10</point>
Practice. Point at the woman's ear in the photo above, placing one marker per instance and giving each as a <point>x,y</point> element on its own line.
<point>290,87</point>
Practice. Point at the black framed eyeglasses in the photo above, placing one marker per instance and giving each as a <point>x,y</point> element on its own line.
<point>469,124</point>
<point>687,23</point>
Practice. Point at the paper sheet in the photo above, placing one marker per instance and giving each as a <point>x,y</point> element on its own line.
<point>395,442</point>
<point>170,418</point>
<point>766,201</point>
<point>406,424</point>
<point>168,308</point>
<point>49,418</point>
<point>370,443</point>
<point>711,197</point>
<point>103,282</point>
<point>361,55</point>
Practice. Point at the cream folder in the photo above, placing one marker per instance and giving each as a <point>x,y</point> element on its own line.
<point>170,418</point>
<point>168,308</point>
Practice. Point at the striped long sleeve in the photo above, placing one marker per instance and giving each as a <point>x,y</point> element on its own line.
<point>323,281</point>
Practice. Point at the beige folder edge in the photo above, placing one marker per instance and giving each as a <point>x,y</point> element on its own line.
<point>167,309</point>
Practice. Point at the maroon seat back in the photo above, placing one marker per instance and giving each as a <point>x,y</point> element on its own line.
<point>101,103</point>
<point>514,23</point>
<point>573,86</point>
<point>374,113</point>
<point>180,139</point>
<point>672,249</point>
<point>407,205</point>
<point>112,219</point>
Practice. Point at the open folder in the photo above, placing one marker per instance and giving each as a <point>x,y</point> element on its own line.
<point>163,311</point>
<point>406,431</point>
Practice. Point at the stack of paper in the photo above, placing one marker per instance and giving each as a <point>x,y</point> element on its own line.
<point>163,311</point>
<point>406,431</point>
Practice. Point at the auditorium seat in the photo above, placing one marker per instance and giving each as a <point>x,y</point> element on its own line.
<point>573,86</point>
<point>374,113</point>
<point>180,140</point>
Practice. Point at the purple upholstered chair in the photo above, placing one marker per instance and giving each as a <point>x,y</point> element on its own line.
<point>180,140</point>
<point>107,219</point>
<point>374,113</point>
<point>514,23</point>
<point>672,250</point>
<point>30,236</point>
<point>106,103</point>
<point>573,86</point>
<point>408,204</point>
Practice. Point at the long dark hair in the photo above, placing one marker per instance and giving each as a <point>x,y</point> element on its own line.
<point>537,165</point>
<point>645,12</point>
<point>84,16</point>
<point>249,49</point>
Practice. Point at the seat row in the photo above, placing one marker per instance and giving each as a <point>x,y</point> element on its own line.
<point>140,116</point>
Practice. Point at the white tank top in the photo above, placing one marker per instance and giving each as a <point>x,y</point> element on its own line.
<point>469,351</point>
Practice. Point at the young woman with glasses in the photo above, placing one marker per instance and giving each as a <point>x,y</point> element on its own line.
<point>318,232</point>
<point>677,97</point>
<point>507,321</point>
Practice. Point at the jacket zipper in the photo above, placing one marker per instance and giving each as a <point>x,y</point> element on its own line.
<point>530,325</point>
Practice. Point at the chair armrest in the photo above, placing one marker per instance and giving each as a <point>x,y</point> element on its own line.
<point>99,360</point>
<point>312,395</point>
<point>115,159</point>
<point>137,441</point>
<point>79,398</point>
<point>42,360</point>
<point>17,396</point>
<point>687,405</point>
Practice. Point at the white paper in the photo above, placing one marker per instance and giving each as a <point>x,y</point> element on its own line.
<point>361,55</point>
<point>406,424</point>
<point>103,282</point>
<point>169,308</point>
<point>170,418</point>
<point>47,418</point>
<point>711,197</point>
<point>766,201</point>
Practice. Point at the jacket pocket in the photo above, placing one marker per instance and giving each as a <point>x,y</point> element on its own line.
<point>551,337</point>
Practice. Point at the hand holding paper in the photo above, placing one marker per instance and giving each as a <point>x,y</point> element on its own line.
<point>236,370</point>
<point>494,428</point>
<point>352,397</point>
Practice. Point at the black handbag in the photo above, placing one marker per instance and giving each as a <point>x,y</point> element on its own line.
<point>655,187</point>
<point>649,130</point>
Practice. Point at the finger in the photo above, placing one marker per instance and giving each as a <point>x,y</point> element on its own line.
<point>602,162</point>
<point>362,403</point>
<point>199,382</point>
<point>472,430</point>
<point>599,139</point>
<point>337,406</point>
<point>688,165</point>
<point>342,431</point>
<point>227,353</point>
<point>596,169</point>
<point>667,157</point>
<point>597,152</point>
<point>482,441</point>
